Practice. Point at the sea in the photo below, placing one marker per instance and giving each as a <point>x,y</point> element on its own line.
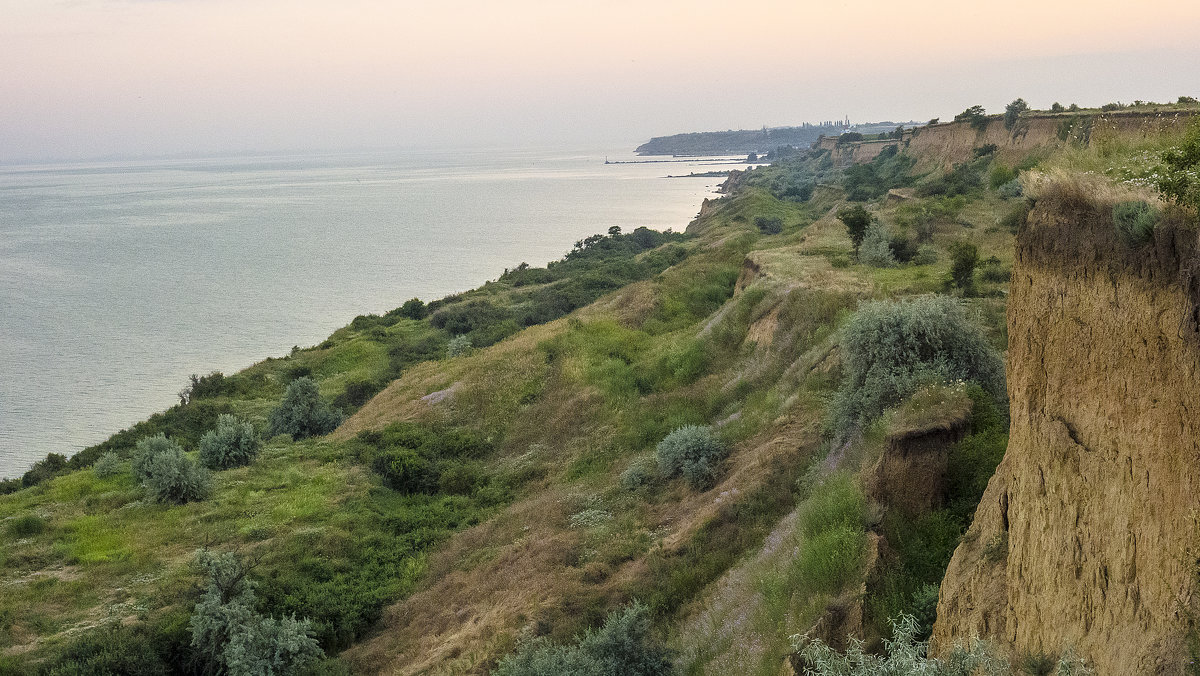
<point>119,279</point>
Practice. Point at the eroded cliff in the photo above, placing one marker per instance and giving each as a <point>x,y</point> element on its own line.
<point>1085,536</point>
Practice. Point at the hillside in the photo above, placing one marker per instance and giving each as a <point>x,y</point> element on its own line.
<point>511,474</point>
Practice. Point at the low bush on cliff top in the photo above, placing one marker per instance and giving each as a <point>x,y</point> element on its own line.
<point>890,348</point>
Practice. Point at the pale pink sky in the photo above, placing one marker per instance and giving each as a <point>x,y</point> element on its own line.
<point>84,78</point>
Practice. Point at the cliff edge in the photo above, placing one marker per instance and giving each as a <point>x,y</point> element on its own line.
<point>1085,538</point>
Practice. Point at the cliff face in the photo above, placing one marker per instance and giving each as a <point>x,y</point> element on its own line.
<point>947,144</point>
<point>1086,534</point>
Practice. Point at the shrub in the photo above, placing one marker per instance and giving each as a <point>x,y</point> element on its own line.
<point>1057,107</point>
<point>1012,112</point>
<point>413,308</point>
<point>926,255</point>
<point>904,248</point>
<point>458,346</point>
<point>45,469</point>
<point>693,451</point>
<point>232,444</point>
<point>1000,174</point>
<point>876,250</point>
<point>146,450</point>
<point>107,465</point>
<point>1187,100</point>
<point>623,646</point>
<point>890,348</point>
<point>904,655</point>
<point>964,258</point>
<point>302,413</point>
<point>768,226</point>
<point>230,635</point>
<point>641,472</point>
<point>172,477</point>
<point>1011,189</point>
<point>856,219</point>
<point>985,149</point>
<point>26,526</point>
<point>1179,174</point>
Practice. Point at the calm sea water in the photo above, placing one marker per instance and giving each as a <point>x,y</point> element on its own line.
<point>118,280</point>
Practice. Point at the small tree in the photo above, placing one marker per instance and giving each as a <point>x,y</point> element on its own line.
<point>1012,112</point>
<point>856,219</point>
<point>975,115</point>
<point>965,256</point>
<point>146,450</point>
<point>232,443</point>
<point>693,451</point>
<point>231,637</point>
<point>302,413</point>
<point>173,477</point>
<point>1057,108</point>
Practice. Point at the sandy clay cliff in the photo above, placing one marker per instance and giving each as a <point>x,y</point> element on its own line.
<point>1086,538</point>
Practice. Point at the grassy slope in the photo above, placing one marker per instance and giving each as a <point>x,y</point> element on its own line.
<point>738,334</point>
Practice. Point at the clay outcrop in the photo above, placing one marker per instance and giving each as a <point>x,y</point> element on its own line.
<point>1086,535</point>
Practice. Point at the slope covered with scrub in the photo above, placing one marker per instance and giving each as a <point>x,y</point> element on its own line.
<point>496,475</point>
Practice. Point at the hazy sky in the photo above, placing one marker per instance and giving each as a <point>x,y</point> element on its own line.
<point>86,78</point>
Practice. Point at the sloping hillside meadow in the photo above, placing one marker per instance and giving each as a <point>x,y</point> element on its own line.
<point>497,481</point>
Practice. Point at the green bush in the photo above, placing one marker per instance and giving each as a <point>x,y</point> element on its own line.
<point>1001,174</point>
<point>768,225</point>
<point>172,477</point>
<point>876,249</point>
<point>107,465</point>
<point>27,525</point>
<point>229,634</point>
<point>146,450</point>
<point>693,451</point>
<point>926,255</point>
<point>44,470</point>
<point>413,308</point>
<point>233,443</point>
<point>1135,220</point>
<point>458,346</point>
<point>890,348</point>
<point>641,472</point>
<point>1011,189</point>
<point>964,258</point>
<point>622,647</point>
<point>302,413</point>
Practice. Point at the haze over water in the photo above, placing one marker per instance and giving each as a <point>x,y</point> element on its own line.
<point>118,280</point>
